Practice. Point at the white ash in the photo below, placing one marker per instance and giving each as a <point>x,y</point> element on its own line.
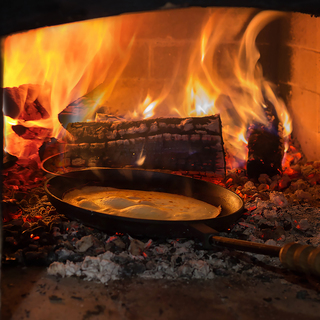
<point>84,243</point>
<point>57,268</point>
<point>186,124</point>
<point>212,126</point>
<point>92,268</point>
<point>277,198</point>
<point>64,254</point>
<point>279,210</point>
<point>172,259</point>
<point>274,221</point>
<point>303,224</point>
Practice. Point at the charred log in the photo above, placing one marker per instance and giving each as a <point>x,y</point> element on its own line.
<point>23,102</point>
<point>190,144</point>
<point>8,160</point>
<point>265,146</point>
<point>265,152</point>
<point>85,108</point>
<point>32,132</point>
<point>93,132</point>
<point>79,110</point>
<point>50,147</point>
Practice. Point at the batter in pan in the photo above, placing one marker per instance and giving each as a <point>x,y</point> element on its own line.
<point>141,204</point>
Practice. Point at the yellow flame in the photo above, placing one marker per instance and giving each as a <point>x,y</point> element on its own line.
<point>242,138</point>
<point>67,61</point>
<point>148,112</point>
<point>71,60</point>
<point>145,110</point>
<point>141,158</point>
<point>240,97</point>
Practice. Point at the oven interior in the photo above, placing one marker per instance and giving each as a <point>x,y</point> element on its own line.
<point>159,60</point>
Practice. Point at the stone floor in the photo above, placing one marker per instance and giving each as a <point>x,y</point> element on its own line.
<point>29,293</point>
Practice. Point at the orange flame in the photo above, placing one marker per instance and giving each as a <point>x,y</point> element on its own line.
<point>67,61</point>
<point>71,60</point>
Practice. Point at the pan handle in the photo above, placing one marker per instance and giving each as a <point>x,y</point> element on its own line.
<point>293,256</point>
<point>209,237</point>
<point>204,233</point>
<point>247,246</point>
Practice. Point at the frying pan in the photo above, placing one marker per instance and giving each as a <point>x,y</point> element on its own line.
<point>135,179</point>
<point>294,256</point>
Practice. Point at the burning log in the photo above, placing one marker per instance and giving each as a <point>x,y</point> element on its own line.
<point>25,102</point>
<point>27,106</point>
<point>8,160</point>
<point>84,108</point>
<point>265,146</point>
<point>192,144</point>
<point>32,132</point>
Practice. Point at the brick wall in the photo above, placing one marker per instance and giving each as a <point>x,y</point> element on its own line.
<point>164,42</point>
<point>300,78</point>
<point>162,51</point>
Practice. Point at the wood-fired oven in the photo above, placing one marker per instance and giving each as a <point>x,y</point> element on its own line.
<point>225,92</point>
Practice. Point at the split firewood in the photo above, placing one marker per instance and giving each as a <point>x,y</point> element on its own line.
<point>32,132</point>
<point>26,102</point>
<point>105,131</point>
<point>86,108</point>
<point>190,144</point>
<point>79,110</point>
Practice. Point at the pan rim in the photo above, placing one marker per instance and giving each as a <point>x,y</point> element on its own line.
<point>128,219</point>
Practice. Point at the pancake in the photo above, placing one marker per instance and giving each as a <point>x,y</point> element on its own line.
<point>139,204</point>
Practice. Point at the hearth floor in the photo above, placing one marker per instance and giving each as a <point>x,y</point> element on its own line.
<point>30,293</point>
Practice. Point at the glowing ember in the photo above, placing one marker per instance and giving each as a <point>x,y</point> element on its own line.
<point>110,239</point>
<point>66,62</point>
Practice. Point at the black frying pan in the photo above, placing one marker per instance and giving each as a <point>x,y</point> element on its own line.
<point>231,203</point>
<point>293,256</point>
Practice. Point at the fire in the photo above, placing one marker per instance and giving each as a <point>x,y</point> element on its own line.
<point>65,62</point>
<point>69,61</point>
<point>145,109</point>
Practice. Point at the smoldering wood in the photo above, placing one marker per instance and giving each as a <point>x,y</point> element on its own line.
<point>8,160</point>
<point>148,153</point>
<point>265,152</point>
<point>188,144</point>
<point>50,147</point>
<point>92,132</point>
<point>23,102</point>
<point>265,146</point>
<point>81,109</point>
<point>32,132</point>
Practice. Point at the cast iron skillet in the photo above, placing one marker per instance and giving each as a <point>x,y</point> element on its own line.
<point>231,203</point>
